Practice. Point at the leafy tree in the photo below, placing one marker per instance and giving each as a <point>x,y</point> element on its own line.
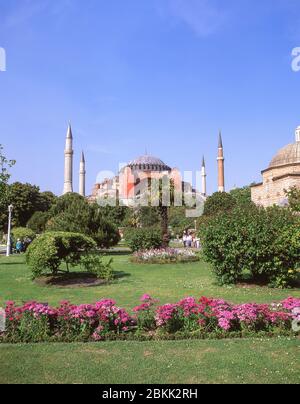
<point>5,165</point>
<point>38,222</point>
<point>242,196</point>
<point>73,213</point>
<point>294,199</point>
<point>219,202</point>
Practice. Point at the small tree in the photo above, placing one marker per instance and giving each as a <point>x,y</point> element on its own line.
<point>49,250</point>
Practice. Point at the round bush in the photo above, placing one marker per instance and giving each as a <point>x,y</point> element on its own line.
<point>48,251</point>
<point>143,239</point>
<point>265,242</point>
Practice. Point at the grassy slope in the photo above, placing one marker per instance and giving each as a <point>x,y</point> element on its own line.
<point>236,361</point>
<point>166,282</point>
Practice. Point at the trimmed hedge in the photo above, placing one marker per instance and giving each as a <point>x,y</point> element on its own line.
<point>48,251</point>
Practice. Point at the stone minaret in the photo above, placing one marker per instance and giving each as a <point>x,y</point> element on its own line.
<point>68,184</point>
<point>82,173</point>
<point>298,134</point>
<point>203,174</point>
<point>221,174</point>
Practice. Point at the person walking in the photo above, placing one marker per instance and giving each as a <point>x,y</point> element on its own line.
<point>19,246</point>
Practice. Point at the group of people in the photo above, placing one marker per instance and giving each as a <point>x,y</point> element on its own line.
<point>190,240</point>
<point>21,246</point>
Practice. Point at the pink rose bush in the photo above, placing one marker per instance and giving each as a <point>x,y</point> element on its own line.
<point>36,322</point>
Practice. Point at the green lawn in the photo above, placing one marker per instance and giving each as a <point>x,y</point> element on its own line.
<point>168,283</point>
<point>236,361</point>
<point>210,361</point>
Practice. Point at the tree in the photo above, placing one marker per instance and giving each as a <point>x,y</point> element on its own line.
<point>73,213</point>
<point>242,196</point>
<point>294,199</point>
<point>26,200</point>
<point>219,202</point>
<point>38,222</point>
<point>5,165</point>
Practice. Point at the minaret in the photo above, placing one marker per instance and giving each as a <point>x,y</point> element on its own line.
<point>82,173</point>
<point>203,174</point>
<point>298,134</point>
<point>68,184</point>
<point>221,174</point>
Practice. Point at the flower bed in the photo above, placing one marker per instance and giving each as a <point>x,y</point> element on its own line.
<point>164,256</point>
<point>189,318</point>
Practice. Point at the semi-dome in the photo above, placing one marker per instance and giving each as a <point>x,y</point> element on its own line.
<point>147,162</point>
<point>289,154</point>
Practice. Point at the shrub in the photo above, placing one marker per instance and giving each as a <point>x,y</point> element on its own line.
<point>48,251</point>
<point>143,239</point>
<point>164,256</point>
<point>38,222</point>
<point>93,263</point>
<point>23,233</point>
<point>262,241</point>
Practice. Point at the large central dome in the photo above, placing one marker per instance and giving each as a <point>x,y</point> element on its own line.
<point>289,154</point>
<point>147,162</point>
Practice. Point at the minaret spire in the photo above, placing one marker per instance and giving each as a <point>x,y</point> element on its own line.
<point>68,177</point>
<point>82,173</point>
<point>298,134</point>
<point>203,174</point>
<point>221,169</point>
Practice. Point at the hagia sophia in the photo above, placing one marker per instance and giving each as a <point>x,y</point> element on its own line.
<point>282,174</point>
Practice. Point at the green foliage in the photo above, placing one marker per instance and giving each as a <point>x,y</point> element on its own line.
<point>27,199</point>
<point>5,165</point>
<point>294,199</point>
<point>242,196</point>
<point>262,241</point>
<point>219,202</point>
<point>38,222</point>
<point>143,239</point>
<point>73,213</point>
<point>23,233</point>
<point>93,263</point>
<point>178,220</point>
<point>47,252</point>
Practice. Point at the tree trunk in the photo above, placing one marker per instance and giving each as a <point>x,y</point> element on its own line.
<point>164,226</point>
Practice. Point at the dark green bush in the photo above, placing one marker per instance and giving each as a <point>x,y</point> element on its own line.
<point>49,250</point>
<point>265,242</point>
<point>143,239</point>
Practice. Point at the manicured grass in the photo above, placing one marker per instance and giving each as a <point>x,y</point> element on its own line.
<point>169,283</point>
<point>226,361</point>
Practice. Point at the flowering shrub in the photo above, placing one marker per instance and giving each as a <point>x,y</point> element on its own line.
<point>36,322</point>
<point>165,256</point>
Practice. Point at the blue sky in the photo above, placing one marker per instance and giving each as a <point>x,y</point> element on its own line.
<point>161,75</point>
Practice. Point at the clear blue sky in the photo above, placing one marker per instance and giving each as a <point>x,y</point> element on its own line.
<point>158,74</point>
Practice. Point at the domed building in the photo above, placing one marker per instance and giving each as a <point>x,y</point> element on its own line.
<point>282,174</point>
<point>135,179</point>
